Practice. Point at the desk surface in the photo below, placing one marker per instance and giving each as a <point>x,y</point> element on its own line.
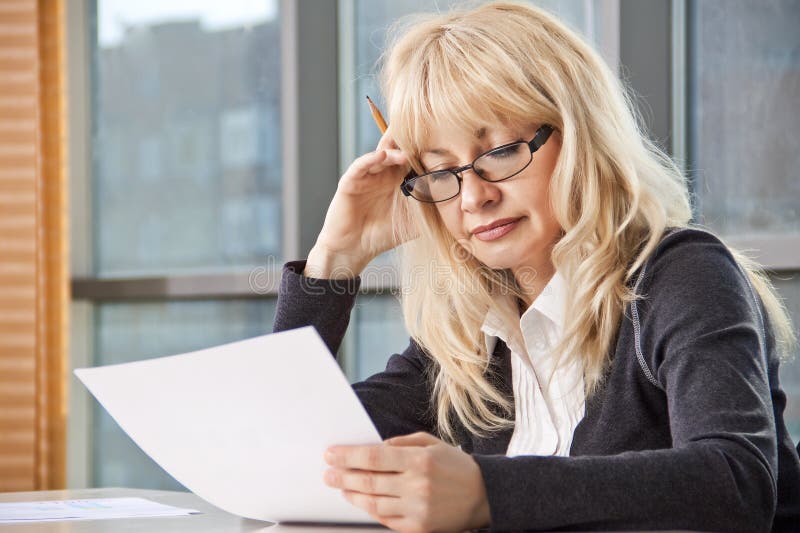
<point>211,519</point>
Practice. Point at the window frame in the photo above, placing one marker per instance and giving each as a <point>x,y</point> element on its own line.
<point>774,251</point>
<point>308,113</point>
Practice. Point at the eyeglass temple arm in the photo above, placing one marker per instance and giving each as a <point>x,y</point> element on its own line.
<point>542,134</point>
<point>404,185</point>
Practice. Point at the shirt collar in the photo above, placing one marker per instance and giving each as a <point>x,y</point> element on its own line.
<point>551,301</point>
<point>550,304</point>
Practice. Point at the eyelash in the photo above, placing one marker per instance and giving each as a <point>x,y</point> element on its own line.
<point>446,167</point>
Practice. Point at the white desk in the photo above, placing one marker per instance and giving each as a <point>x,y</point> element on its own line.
<point>212,519</point>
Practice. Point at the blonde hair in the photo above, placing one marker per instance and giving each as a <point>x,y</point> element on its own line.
<point>613,192</point>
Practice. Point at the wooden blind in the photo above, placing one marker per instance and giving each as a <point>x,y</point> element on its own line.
<point>33,246</point>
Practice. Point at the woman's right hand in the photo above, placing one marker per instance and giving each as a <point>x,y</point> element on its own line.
<point>358,224</point>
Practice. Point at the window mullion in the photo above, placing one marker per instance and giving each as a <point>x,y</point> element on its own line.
<point>310,117</point>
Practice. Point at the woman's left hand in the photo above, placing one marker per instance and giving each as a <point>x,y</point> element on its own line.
<point>411,483</point>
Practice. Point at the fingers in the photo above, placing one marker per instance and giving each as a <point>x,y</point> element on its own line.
<point>393,158</point>
<point>375,162</point>
<point>377,506</point>
<point>400,523</point>
<point>386,141</point>
<point>378,458</point>
<point>415,439</point>
<point>363,164</point>
<point>364,481</point>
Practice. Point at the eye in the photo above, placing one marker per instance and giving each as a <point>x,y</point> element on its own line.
<point>439,167</point>
<point>504,153</point>
<point>439,176</point>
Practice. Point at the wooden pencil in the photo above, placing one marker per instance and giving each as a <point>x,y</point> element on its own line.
<point>376,115</point>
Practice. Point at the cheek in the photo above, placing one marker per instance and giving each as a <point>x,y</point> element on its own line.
<point>450,215</point>
<point>545,175</point>
<point>542,205</point>
<point>548,159</point>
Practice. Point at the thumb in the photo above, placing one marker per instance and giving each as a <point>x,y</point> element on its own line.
<point>415,439</point>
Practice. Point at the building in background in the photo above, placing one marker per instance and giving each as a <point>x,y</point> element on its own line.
<point>187,151</point>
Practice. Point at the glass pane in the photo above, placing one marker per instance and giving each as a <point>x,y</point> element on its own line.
<point>379,332</point>
<point>788,286</point>
<point>186,135</point>
<point>134,331</point>
<point>745,82</point>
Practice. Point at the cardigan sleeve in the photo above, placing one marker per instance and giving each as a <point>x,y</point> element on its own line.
<point>397,399</point>
<point>702,340</point>
<point>323,303</point>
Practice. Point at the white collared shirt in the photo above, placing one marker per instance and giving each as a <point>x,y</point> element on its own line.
<point>544,419</point>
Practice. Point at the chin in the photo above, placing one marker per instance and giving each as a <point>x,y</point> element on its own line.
<point>496,262</point>
<point>510,256</point>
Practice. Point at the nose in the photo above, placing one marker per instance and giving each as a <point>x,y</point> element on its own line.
<point>477,193</point>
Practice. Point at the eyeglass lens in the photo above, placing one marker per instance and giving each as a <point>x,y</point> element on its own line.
<point>496,165</point>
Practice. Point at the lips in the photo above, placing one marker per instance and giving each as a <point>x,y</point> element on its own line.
<point>496,229</point>
<point>492,225</point>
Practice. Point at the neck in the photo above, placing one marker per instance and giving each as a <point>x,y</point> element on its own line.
<point>532,279</point>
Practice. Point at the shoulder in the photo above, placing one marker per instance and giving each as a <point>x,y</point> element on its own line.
<point>690,261</point>
<point>694,297</point>
<point>416,355</point>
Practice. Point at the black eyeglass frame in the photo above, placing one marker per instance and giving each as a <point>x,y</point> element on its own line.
<point>539,138</point>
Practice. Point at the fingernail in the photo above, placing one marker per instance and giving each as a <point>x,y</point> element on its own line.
<point>329,456</point>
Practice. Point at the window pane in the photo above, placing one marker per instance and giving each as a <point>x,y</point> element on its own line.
<point>134,331</point>
<point>744,129</point>
<point>379,332</point>
<point>788,286</point>
<point>186,135</point>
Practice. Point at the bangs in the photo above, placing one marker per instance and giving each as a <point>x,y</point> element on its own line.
<point>458,78</point>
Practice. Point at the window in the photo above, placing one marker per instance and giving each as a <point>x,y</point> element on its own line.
<point>744,74</point>
<point>185,107</point>
<point>182,200</point>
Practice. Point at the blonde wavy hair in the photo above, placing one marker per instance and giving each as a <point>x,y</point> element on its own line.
<point>613,192</point>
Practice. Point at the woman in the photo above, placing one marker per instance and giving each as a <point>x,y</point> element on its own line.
<point>580,356</point>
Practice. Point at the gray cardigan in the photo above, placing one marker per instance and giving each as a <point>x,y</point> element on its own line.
<point>687,431</point>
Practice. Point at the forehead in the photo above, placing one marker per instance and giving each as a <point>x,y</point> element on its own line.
<point>438,142</point>
<point>442,139</point>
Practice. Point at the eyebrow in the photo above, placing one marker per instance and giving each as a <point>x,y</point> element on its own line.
<point>480,134</point>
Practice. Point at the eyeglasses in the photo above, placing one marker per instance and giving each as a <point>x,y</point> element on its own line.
<point>497,164</point>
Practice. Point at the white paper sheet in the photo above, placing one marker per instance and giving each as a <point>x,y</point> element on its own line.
<point>243,425</point>
<point>91,509</point>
